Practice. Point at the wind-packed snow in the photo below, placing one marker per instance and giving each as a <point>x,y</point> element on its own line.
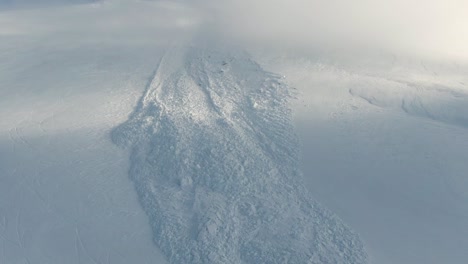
<point>65,196</point>
<point>215,164</point>
<point>435,91</point>
<point>385,145</point>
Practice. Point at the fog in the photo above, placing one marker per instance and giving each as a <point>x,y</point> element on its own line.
<point>435,28</point>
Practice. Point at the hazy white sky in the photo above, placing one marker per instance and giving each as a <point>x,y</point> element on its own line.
<point>435,27</point>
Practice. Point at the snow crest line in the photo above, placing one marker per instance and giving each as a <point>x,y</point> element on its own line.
<point>436,102</point>
<point>215,164</point>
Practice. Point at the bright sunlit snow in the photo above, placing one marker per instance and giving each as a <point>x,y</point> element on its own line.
<point>140,131</point>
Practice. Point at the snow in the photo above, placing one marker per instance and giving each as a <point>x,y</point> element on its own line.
<point>214,162</point>
<point>64,192</point>
<point>226,156</point>
<point>385,147</point>
<point>65,196</point>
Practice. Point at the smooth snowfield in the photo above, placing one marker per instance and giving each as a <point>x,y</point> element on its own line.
<point>385,146</point>
<point>65,196</point>
<point>214,161</point>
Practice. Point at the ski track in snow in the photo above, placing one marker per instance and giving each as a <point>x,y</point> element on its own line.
<point>215,164</point>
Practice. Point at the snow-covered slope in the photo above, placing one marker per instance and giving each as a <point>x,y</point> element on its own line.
<point>214,162</point>
<point>212,151</point>
<point>65,196</point>
<point>224,186</point>
<point>385,145</point>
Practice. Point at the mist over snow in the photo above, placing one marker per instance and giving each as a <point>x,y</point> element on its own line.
<point>203,131</point>
<point>14,4</point>
<point>432,28</point>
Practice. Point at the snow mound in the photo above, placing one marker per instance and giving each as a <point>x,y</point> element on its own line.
<point>215,164</point>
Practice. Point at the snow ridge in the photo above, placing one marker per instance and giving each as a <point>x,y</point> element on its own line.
<point>435,102</point>
<point>215,164</point>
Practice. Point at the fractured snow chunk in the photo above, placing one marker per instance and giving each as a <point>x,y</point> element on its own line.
<point>239,198</point>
